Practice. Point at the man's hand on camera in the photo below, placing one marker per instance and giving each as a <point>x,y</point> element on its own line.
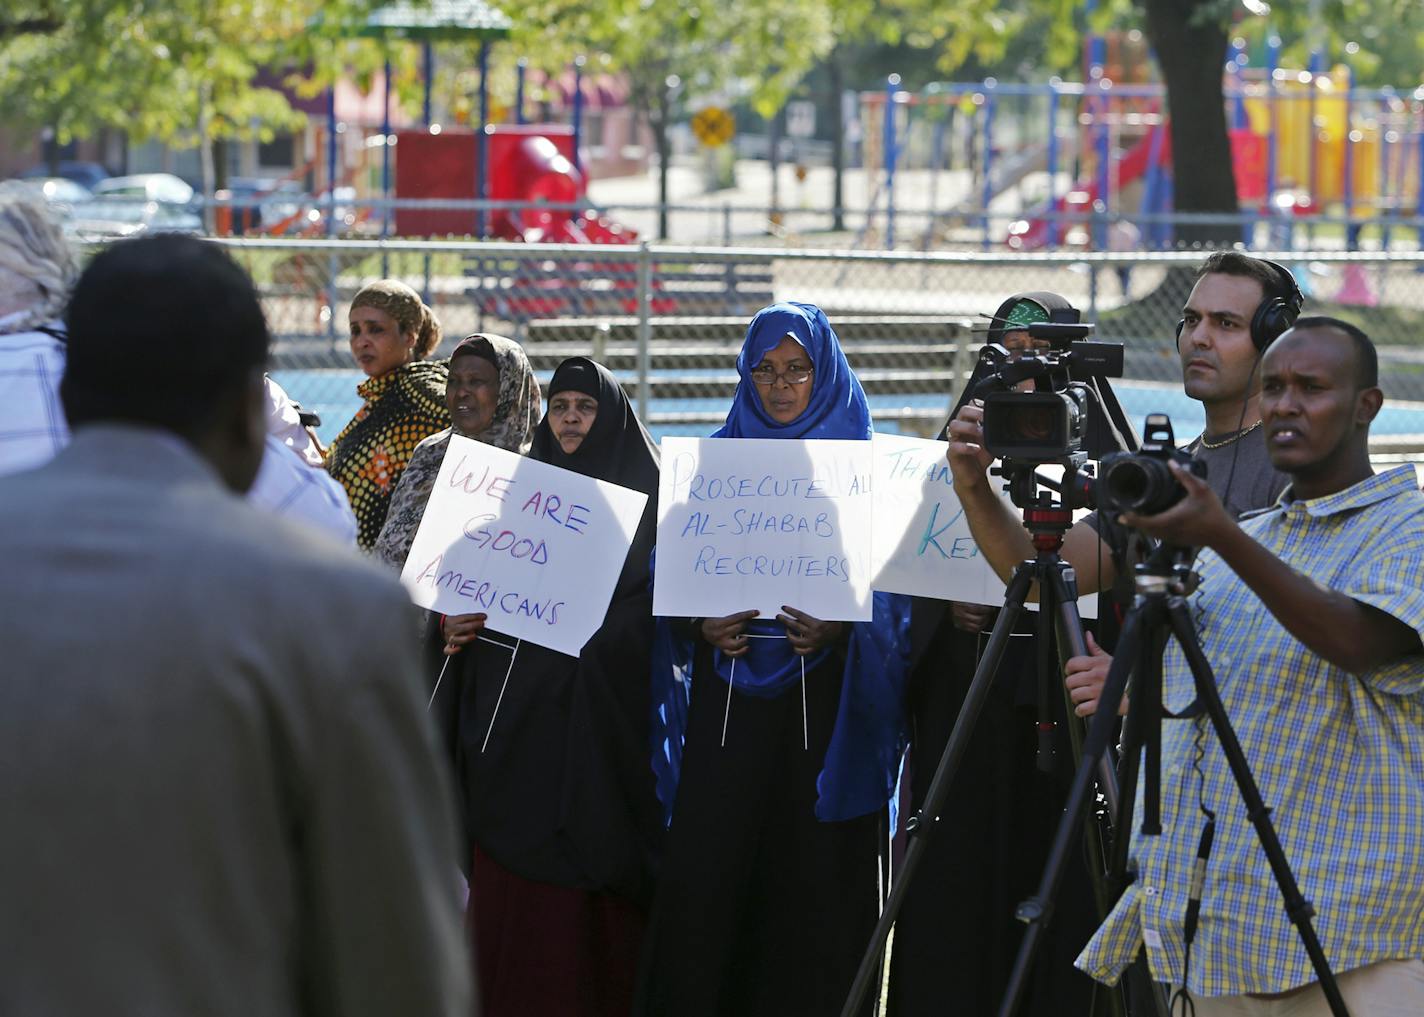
<point>968,459</point>
<point>1198,520</point>
<point>1084,677</point>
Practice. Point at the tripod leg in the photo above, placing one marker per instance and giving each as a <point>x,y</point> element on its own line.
<point>1037,910</point>
<point>1058,596</point>
<point>1070,628</point>
<point>1138,651</point>
<point>922,824</point>
<point>1298,909</point>
<point>1145,996</point>
<point>1047,677</point>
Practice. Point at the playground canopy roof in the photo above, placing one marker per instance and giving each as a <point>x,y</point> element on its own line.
<point>437,20</point>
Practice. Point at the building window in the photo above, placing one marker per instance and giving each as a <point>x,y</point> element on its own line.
<point>277,153</point>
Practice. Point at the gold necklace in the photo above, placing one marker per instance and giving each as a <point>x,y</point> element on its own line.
<point>1227,441</point>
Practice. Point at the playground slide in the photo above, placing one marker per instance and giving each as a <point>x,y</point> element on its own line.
<point>530,164</point>
<point>536,171</point>
<point>1084,193</point>
<point>1008,173</point>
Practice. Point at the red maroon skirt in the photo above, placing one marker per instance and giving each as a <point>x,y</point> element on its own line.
<point>551,951</point>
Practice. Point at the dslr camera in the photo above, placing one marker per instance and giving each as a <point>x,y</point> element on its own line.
<point>1140,481</point>
<point>1051,422</point>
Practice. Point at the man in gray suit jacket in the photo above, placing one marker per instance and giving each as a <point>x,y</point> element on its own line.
<point>218,791</point>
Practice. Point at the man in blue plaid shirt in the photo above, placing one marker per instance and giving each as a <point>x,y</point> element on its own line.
<point>1310,614</point>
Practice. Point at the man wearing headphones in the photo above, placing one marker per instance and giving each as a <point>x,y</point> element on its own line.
<point>1238,306</point>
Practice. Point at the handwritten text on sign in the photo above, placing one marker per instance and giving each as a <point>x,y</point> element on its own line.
<point>536,548</point>
<point>922,544</point>
<point>749,523</point>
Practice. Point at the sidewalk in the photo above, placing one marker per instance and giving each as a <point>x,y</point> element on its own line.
<point>741,212</point>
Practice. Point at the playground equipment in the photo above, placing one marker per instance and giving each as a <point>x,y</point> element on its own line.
<point>530,166</point>
<point>1075,158</point>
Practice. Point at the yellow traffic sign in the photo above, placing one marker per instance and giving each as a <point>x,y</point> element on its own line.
<point>713,126</point>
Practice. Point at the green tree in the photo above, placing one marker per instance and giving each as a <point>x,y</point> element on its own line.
<point>671,50</point>
<point>1189,39</point>
<point>180,71</point>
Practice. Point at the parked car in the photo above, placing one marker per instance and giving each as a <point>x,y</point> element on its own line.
<point>61,193</point>
<point>115,218</point>
<point>164,187</point>
<point>87,173</point>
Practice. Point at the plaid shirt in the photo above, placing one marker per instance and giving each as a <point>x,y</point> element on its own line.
<point>32,424</point>
<point>1339,759</point>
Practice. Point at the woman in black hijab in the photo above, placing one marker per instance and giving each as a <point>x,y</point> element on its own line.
<point>551,754</point>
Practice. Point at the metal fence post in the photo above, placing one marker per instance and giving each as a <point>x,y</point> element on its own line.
<point>645,327</point>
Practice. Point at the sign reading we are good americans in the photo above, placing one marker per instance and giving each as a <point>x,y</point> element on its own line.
<point>536,548</point>
<point>755,523</point>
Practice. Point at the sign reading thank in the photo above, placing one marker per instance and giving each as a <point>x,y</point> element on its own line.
<point>536,548</point>
<point>755,523</point>
<point>922,544</point>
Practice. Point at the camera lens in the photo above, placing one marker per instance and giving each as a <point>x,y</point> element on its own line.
<point>1034,423</point>
<point>1135,484</point>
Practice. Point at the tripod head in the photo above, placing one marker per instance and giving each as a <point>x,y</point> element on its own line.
<point>1047,505</point>
<point>1168,569</point>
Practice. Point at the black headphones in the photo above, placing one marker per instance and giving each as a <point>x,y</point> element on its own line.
<point>1275,313</point>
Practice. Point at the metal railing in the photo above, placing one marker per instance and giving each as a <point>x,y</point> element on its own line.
<point>668,320</point>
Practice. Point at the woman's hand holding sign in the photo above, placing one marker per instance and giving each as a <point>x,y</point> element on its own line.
<point>727,634</point>
<point>807,634</point>
<point>460,629</point>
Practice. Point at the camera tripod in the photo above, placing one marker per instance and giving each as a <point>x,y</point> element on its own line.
<point>1160,609</point>
<point>1046,522</point>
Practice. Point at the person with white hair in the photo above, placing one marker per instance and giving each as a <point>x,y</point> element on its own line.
<point>37,268</point>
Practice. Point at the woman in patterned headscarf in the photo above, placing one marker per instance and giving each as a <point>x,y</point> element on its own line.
<point>392,332</point>
<point>493,397</point>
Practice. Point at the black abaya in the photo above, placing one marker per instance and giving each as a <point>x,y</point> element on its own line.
<point>762,910</point>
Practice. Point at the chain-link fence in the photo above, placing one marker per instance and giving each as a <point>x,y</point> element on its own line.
<point>669,320</point>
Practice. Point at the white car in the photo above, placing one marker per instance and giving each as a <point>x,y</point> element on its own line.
<point>163,187</point>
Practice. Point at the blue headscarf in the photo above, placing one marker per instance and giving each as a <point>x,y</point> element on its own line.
<point>862,761</point>
<point>838,408</point>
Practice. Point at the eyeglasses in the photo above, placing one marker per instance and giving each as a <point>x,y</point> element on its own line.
<point>767,375</point>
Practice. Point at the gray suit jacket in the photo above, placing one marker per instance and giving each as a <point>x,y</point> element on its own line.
<point>218,791</point>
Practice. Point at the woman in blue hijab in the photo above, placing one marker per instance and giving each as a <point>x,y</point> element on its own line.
<point>778,829</point>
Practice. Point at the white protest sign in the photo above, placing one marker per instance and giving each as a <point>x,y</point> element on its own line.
<point>536,548</point>
<point>755,523</point>
<point>922,545</point>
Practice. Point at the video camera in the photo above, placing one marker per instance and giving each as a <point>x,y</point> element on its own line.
<point>1053,421</point>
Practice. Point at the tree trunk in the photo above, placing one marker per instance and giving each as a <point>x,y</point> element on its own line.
<point>1190,47</point>
<point>659,124</point>
<point>205,154</point>
<point>50,143</point>
<point>837,77</point>
<point>219,164</point>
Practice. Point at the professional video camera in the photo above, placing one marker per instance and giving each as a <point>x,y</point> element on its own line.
<point>1140,481</point>
<point>1053,422</point>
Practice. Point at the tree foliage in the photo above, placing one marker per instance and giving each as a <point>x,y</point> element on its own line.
<point>159,68</point>
<point>760,48</point>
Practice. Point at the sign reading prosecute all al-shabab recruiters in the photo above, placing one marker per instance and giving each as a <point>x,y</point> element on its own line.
<point>754,523</point>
